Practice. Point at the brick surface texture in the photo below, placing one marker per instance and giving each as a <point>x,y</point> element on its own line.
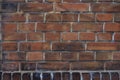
<point>59,39</point>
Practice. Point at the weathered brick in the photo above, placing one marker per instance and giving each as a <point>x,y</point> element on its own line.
<point>68,46</point>
<point>12,66</point>
<point>13,36</point>
<point>87,17</point>
<point>26,27</point>
<point>112,27</point>
<point>66,76</point>
<point>28,66</point>
<point>34,56</point>
<point>69,17</point>
<point>9,27</point>
<point>71,1</point>
<point>117,37</point>
<point>53,27</point>
<point>53,0</point>
<point>86,36</point>
<point>72,7</point>
<point>83,27</point>
<point>87,66</point>
<point>35,17</point>
<point>52,56</point>
<point>16,17</point>
<point>116,56</point>
<point>52,36</point>
<point>104,36</point>
<point>35,36</point>
<point>69,56</point>
<point>103,7</point>
<point>53,17</point>
<point>117,17</point>
<point>53,66</point>
<point>96,76</point>
<point>36,7</point>
<point>115,76</point>
<point>9,46</point>
<point>103,56</point>
<point>16,56</point>
<point>103,46</point>
<point>112,65</point>
<point>84,56</point>
<point>46,76</point>
<point>104,17</point>
<point>70,36</point>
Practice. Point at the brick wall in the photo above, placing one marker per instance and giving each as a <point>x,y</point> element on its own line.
<point>60,40</point>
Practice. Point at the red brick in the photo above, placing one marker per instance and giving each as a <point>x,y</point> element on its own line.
<point>35,46</point>
<point>103,46</point>
<point>117,37</point>
<point>53,27</point>
<point>28,66</point>
<point>87,36</point>
<point>87,17</point>
<point>115,65</point>
<point>84,56</point>
<point>40,46</point>
<point>86,76</point>
<point>35,36</point>
<point>69,17</point>
<point>104,17</point>
<point>52,56</point>
<point>14,36</point>
<point>16,56</point>
<point>69,56</point>
<point>87,66</point>
<point>53,0</point>
<point>70,36</point>
<point>67,46</point>
<point>34,56</point>
<point>104,36</point>
<point>52,36</point>
<point>72,7</point>
<point>116,56</point>
<point>71,1</point>
<point>17,17</point>
<point>36,17</point>
<point>53,17</point>
<point>112,27</point>
<point>104,56</point>
<point>36,7</point>
<point>100,7</point>
<point>9,27</point>
<point>9,46</point>
<point>11,66</point>
<point>87,27</point>
<point>26,27</point>
<point>53,66</point>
